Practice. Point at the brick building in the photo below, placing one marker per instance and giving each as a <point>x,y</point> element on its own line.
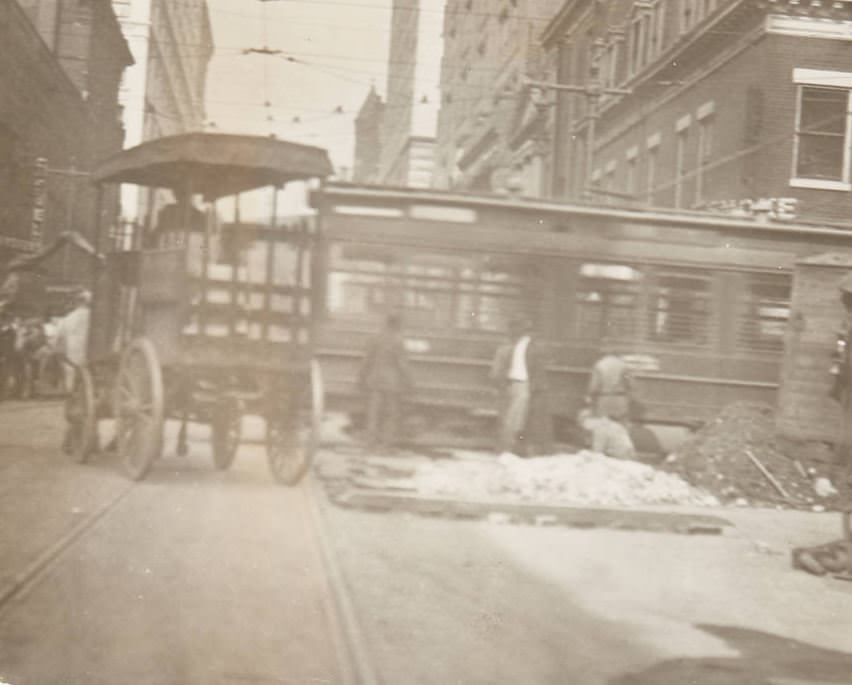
<point>493,132</point>
<point>368,139</point>
<point>729,101</point>
<point>60,69</point>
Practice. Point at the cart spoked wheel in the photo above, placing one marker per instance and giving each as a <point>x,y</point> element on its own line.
<point>226,427</point>
<point>81,418</point>
<point>139,408</point>
<point>292,437</point>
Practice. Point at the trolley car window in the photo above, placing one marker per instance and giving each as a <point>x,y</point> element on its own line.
<point>763,313</point>
<point>606,301</point>
<point>435,289</point>
<point>487,299</point>
<point>680,308</point>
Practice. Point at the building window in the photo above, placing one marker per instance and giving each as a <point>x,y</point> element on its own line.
<point>608,185</point>
<point>681,146</point>
<point>637,42</point>
<point>706,124</point>
<point>646,34</point>
<point>653,145</point>
<point>658,22</point>
<point>631,171</point>
<point>823,123</point>
<point>596,179</point>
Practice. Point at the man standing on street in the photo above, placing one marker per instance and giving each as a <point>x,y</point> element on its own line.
<point>72,336</point>
<point>610,387</point>
<point>520,370</point>
<point>385,379</point>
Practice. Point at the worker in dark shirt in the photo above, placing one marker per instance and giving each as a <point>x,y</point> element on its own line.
<point>385,379</point>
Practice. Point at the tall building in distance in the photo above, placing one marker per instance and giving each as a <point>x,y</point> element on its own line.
<point>163,92</point>
<point>413,97</point>
<point>368,139</point>
<point>492,132</point>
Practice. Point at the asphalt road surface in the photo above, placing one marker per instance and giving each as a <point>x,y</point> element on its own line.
<point>199,576</point>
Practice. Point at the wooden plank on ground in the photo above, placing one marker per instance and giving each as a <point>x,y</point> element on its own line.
<point>533,513</point>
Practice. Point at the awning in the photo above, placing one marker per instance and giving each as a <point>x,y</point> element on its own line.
<point>214,164</point>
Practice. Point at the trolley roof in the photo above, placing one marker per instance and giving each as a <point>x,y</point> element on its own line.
<point>214,164</point>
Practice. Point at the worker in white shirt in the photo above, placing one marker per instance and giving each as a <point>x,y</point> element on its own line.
<point>72,336</point>
<point>520,371</point>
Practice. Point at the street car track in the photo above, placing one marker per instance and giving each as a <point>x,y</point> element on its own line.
<point>353,655</point>
<point>353,659</point>
<point>23,581</point>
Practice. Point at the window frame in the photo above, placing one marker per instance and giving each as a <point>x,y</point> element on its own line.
<point>652,145</point>
<point>681,148</point>
<point>818,78</point>
<point>706,118</point>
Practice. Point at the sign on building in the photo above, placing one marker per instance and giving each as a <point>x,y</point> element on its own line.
<point>39,198</point>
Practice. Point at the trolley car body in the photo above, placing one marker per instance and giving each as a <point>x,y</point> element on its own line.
<point>699,302</point>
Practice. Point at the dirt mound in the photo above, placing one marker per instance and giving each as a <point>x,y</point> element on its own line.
<point>717,459</point>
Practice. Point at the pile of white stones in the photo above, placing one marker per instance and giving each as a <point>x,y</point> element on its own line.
<point>581,478</point>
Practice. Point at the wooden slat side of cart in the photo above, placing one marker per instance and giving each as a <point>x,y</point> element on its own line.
<point>197,319</point>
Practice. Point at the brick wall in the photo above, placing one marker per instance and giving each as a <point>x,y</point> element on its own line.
<point>805,410</point>
<point>745,72</point>
<point>71,119</point>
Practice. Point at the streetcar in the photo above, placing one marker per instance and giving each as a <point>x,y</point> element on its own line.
<point>198,319</point>
<point>698,303</point>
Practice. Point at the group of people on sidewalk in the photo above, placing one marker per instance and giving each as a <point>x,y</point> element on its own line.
<point>34,350</point>
<point>519,372</point>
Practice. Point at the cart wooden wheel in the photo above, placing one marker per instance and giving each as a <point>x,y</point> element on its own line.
<point>139,408</point>
<point>226,428</point>
<point>81,416</point>
<point>292,437</point>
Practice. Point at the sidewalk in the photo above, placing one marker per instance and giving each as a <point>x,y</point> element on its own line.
<point>44,496</point>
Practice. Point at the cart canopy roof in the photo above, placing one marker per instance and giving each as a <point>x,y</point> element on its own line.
<point>214,164</point>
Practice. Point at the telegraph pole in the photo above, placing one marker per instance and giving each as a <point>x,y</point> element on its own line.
<point>593,90</point>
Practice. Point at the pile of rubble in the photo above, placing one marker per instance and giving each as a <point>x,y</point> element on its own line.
<point>583,478</point>
<point>738,458</point>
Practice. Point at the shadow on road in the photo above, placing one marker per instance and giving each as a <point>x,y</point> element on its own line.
<point>764,658</point>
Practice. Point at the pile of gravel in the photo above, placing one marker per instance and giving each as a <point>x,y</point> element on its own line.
<point>716,459</point>
<point>584,478</point>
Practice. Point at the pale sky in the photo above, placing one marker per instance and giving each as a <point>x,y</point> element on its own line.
<point>340,48</point>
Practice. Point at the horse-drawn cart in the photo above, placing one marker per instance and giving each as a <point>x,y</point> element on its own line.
<point>195,318</point>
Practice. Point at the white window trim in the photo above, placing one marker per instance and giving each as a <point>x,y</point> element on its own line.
<point>805,27</point>
<point>632,152</point>
<point>596,175</point>
<point>653,141</point>
<point>706,110</point>
<point>822,77</point>
<point>683,123</point>
<point>610,166</point>
<point>819,184</point>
